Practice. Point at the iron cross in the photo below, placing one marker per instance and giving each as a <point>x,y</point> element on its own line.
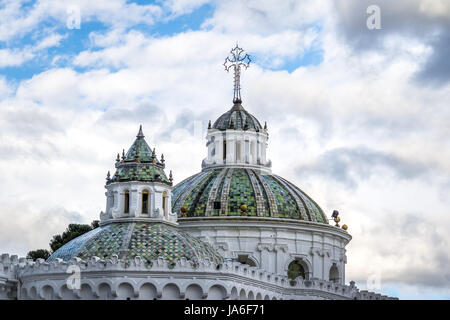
<point>235,60</point>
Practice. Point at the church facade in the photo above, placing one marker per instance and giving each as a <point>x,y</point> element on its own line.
<point>233,231</point>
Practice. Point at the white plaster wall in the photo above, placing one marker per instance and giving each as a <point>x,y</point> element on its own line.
<point>215,140</point>
<point>115,208</point>
<point>274,245</point>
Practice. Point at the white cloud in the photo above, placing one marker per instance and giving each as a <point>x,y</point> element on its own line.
<point>10,58</point>
<point>66,126</point>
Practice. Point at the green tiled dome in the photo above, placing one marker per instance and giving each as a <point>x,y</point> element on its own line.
<point>221,192</point>
<point>128,240</point>
<point>237,118</point>
<point>140,164</point>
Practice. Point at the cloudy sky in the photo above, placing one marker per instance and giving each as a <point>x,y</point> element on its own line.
<point>357,117</point>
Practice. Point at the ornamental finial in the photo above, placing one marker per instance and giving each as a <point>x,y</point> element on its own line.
<point>140,133</point>
<point>170,176</point>
<point>235,60</point>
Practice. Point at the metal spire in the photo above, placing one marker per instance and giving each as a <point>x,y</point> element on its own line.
<point>235,60</point>
<point>140,133</point>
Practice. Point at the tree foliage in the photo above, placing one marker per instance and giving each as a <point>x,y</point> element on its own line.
<point>72,231</point>
<point>40,253</point>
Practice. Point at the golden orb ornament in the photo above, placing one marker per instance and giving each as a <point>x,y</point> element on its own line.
<point>344,226</point>
<point>244,207</point>
<point>183,209</point>
<point>337,219</point>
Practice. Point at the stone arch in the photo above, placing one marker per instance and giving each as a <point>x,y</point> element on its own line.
<point>301,262</point>
<point>148,291</point>
<point>266,297</point>
<point>104,291</point>
<point>47,292</point>
<point>251,295</point>
<point>194,292</point>
<point>217,292</point>
<point>234,294</point>
<point>23,294</point>
<point>66,294</point>
<point>259,296</point>
<point>33,293</point>
<point>170,292</point>
<point>125,291</point>
<point>86,292</point>
<point>334,274</point>
<point>242,295</point>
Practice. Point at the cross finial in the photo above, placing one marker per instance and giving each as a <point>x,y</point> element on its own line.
<point>235,60</point>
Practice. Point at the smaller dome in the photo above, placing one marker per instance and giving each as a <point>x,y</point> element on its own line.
<point>237,118</point>
<point>146,240</point>
<point>140,164</point>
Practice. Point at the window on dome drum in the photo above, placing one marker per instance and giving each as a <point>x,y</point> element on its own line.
<point>145,201</point>
<point>295,270</point>
<point>224,149</point>
<point>334,273</point>
<point>238,150</point>
<point>244,259</point>
<point>126,204</point>
<point>164,201</point>
<point>216,204</point>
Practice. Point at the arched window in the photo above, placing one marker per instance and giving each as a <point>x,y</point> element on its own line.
<point>238,151</point>
<point>145,201</point>
<point>244,259</point>
<point>224,149</point>
<point>295,270</point>
<point>126,202</point>
<point>252,149</point>
<point>164,203</point>
<point>334,273</point>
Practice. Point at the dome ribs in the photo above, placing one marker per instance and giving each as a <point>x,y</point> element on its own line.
<point>316,212</point>
<point>213,193</point>
<point>300,203</point>
<point>287,208</point>
<point>199,202</point>
<point>191,199</point>
<point>241,192</point>
<point>270,197</point>
<point>258,193</point>
<point>225,193</point>
<point>191,185</point>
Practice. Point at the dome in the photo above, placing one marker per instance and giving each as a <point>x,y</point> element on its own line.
<point>237,118</point>
<point>146,240</point>
<point>222,192</point>
<point>140,164</point>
